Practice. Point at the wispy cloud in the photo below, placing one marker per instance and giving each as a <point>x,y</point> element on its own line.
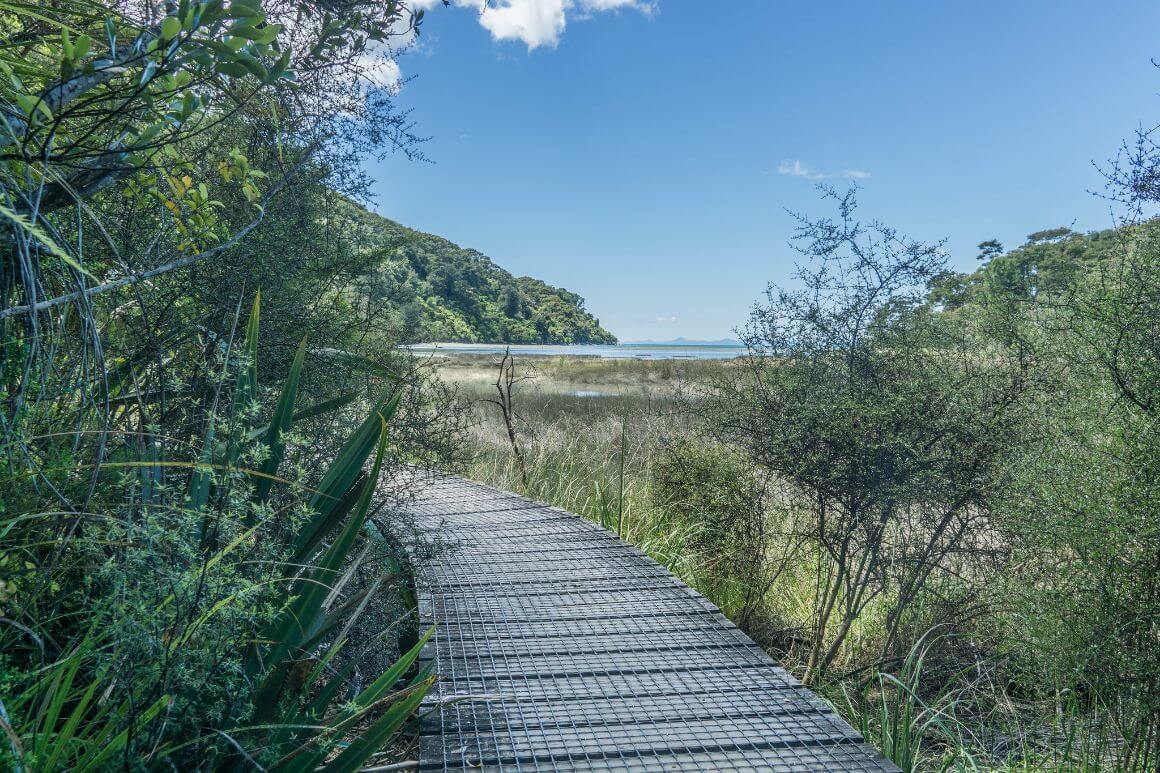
<point>796,168</point>
<point>666,320</point>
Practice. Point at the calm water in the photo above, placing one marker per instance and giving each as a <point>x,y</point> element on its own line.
<point>621,351</point>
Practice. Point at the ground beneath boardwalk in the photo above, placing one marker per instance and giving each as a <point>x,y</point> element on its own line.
<point>563,648</point>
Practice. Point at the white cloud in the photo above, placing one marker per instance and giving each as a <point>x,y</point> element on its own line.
<point>608,5</point>
<point>666,320</point>
<point>535,22</point>
<point>645,7</point>
<point>796,168</point>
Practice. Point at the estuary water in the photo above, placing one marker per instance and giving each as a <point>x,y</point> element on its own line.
<point>603,351</point>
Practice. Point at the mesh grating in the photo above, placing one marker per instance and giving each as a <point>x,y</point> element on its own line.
<point>562,648</point>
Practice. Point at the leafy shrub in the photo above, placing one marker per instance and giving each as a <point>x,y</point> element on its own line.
<point>719,495</point>
<point>196,620</point>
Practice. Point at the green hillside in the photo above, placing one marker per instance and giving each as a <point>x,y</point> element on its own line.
<point>440,291</point>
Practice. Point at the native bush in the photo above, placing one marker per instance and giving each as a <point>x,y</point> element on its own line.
<point>720,495</point>
<point>1084,522</point>
<point>890,425</point>
<point>195,614</point>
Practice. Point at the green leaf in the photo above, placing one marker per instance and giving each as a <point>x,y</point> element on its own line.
<point>170,28</point>
<point>247,31</point>
<point>27,103</point>
<point>256,68</point>
<point>26,225</point>
<point>246,10</point>
<point>303,616</point>
<point>326,522</point>
<point>118,741</point>
<point>279,68</point>
<point>202,478</point>
<point>378,734</point>
<point>246,390</point>
<point>363,703</point>
<point>347,465</point>
<point>269,33</point>
<point>279,424</point>
<point>232,69</point>
<point>326,406</point>
<point>387,680</point>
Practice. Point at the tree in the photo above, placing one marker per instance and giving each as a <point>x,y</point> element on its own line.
<point>1085,518</point>
<point>1050,235</point>
<point>890,424</point>
<point>143,151</point>
<point>991,248</point>
<point>107,105</point>
<point>511,303</point>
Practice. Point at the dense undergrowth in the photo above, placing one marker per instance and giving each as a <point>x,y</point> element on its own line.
<point>197,613</point>
<point>203,420</point>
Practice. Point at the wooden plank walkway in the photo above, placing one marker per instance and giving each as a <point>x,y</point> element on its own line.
<point>574,651</point>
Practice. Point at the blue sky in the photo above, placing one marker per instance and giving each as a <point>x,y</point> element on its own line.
<point>644,156</point>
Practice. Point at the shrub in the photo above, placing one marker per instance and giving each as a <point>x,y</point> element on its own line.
<point>890,424</point>
<point>195,614</point>
<point>719,495</point>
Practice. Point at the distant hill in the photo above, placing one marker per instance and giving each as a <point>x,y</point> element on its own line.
<point>439,291</point>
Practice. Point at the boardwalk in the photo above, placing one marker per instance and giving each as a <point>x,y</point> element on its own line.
<point>574,651</point>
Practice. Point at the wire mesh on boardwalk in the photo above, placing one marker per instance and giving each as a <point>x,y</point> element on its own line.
<point>563,648</point>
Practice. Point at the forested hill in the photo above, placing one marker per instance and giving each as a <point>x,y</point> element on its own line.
<point>440,291</point>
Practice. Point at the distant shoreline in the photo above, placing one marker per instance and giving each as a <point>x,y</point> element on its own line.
<point>638,351</point>
<point>625,345</point>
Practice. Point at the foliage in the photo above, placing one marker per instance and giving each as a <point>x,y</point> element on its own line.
<point>709,486</point>
<point>221,600</point>
<point>1051,263</point>
<point>147,118</point>
<point>890,427</point>
<point>439,291</point>
<point>1085,526</point>
<point>891,713</point>
<point>182,575</point>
